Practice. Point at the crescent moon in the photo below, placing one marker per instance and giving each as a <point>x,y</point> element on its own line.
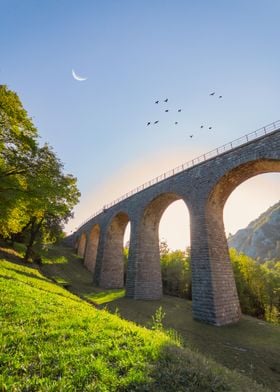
<point>77,77</point>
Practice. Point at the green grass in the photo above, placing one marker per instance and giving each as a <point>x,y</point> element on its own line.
<point>52,340</point>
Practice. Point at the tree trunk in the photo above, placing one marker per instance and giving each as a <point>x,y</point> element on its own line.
<point>34,230</point>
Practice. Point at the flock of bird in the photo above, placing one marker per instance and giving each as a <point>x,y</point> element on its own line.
<point>179,111</point>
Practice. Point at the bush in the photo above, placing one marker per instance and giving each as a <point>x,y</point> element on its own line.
<point>176,274</point>
<point>258,286</point>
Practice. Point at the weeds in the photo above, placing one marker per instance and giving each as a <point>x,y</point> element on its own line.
<point>157,319</point>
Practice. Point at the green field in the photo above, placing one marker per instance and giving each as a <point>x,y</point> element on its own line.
<point>53,340</point>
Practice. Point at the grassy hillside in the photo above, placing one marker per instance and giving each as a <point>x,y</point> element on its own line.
<point>51,340</point>
<point>251,347</point>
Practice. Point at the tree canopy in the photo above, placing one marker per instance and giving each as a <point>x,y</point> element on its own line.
<point>36,196</point>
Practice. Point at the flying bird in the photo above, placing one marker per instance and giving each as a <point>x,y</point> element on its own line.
<point>210,128</point>
<point>220,96</point>
<point>179,110</point>
<point>157,102</point>
<point>156,122</point>
<point>149,123</point>
<point>191,136</point>
<point>201,126</point>
<point>166,110</point>
<point>176,122</point>
<point>212,93</point>
<point>166,100</point>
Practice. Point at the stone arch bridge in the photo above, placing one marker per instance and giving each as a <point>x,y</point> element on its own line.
<point>204,184</point>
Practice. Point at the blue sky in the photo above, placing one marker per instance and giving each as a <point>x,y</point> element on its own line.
<point>134,52</point>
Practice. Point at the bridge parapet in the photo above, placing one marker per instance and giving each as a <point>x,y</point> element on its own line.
<point>249,137</point>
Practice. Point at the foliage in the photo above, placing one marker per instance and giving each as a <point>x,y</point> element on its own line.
<point>125,260</point>
<point>18,136</point>
<point>157,319</point>
<point>52,198</point>
<point>258,286</point>
<point>18,144</point>
<point>176,272</point>
<point>36,196</point>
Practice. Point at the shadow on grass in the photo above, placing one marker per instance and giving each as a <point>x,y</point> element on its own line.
<point>250,347</point>
<point>178,370</point>
<point>77,276</point>
<point>29,284</point>
<point>27,274</point>
<point>11,255</point>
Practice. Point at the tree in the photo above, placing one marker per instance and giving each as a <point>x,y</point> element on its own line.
<point>271,295</point>
<point>163,247</point>
<point>18,145</point>
<point>52,196</point>
<point>36,197</point>
<point>18,137</point>
<point>257,286</point>
<point>176,272</point>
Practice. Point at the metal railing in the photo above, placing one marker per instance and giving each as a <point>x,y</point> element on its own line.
<point>187,165</point>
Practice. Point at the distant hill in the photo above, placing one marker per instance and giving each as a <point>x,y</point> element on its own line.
<point>261,238</point>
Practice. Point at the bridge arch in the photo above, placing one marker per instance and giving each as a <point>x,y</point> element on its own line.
<point>91,248</point>
<point>144,266</point>
<point>82,241</point>
<point>112,265</point>
<point>212,272</point>
<point>236,176</point>
<point>227,183</point>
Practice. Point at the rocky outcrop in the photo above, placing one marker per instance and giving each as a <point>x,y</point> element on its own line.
<point>261,238</point>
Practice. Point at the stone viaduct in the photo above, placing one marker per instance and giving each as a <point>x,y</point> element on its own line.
<point>204,184</point>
